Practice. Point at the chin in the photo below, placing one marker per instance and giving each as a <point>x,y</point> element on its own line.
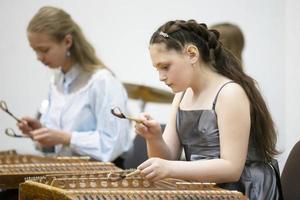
<point>176,90</point>
<point>52,67</point>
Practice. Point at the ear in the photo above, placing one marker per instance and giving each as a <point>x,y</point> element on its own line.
<point>68,40</point>
<point>193,53</point>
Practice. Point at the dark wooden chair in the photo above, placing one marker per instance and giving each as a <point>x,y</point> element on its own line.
<point>290,176</point>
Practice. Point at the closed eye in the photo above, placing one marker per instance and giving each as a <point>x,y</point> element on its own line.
<point>44,50</point>
<point>165,68</point>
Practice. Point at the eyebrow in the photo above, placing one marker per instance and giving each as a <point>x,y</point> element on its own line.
<point>39,48</point>
<point>161,64</point>
<point>157,65</point>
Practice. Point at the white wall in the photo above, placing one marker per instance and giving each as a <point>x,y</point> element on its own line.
<point>292,69</point>
<point>120,31</point>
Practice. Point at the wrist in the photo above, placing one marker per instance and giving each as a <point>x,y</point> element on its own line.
<point>66,138</point>
<point>170,172</point>
<point>154,140</point>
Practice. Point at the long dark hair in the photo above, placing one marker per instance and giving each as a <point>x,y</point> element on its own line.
<point>176,34</point>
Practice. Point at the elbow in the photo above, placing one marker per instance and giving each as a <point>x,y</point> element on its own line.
<point>229,178</point>
<point>234,175</point>
<point>229,173</point>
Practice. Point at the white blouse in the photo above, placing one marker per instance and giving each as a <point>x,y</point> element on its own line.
<point>80,103</point>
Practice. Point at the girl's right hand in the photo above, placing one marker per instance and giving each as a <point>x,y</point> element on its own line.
<point>28,124</point>
<point>149,128</point>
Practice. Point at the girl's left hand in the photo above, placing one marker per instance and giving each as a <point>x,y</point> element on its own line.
<point>155,169</point>
<point>49,137</point>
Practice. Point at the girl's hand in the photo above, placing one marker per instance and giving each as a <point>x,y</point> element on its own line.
<point>28,124</point>
<point>155,169</point>
<point>149,128</point>
<point>50,137</point>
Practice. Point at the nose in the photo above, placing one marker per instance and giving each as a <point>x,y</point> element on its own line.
<point>40,57</point>
<point>162,76</point>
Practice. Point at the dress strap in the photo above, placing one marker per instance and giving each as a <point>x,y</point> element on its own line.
<point>216,98</point>
<point>182,96</point>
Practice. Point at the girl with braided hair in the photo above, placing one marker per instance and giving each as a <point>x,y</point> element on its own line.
<point>218,116</point>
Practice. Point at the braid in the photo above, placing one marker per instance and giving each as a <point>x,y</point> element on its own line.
<point>183,32</point>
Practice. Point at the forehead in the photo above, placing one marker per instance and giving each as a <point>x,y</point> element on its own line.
<point>160,54</point>
<point>39,39</point>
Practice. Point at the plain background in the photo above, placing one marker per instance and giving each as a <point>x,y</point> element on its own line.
<point>120,32</point>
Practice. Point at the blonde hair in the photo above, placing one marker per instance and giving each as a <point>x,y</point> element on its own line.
<point>57,24</point>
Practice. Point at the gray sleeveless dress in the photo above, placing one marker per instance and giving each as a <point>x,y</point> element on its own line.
<point>199,135</point>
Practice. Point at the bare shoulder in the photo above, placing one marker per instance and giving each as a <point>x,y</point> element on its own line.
<point>232,90</point>
<point>232,94</point>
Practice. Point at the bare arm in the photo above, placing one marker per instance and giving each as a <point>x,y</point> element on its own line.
<point>233,111</point>
<point>165,146</point>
